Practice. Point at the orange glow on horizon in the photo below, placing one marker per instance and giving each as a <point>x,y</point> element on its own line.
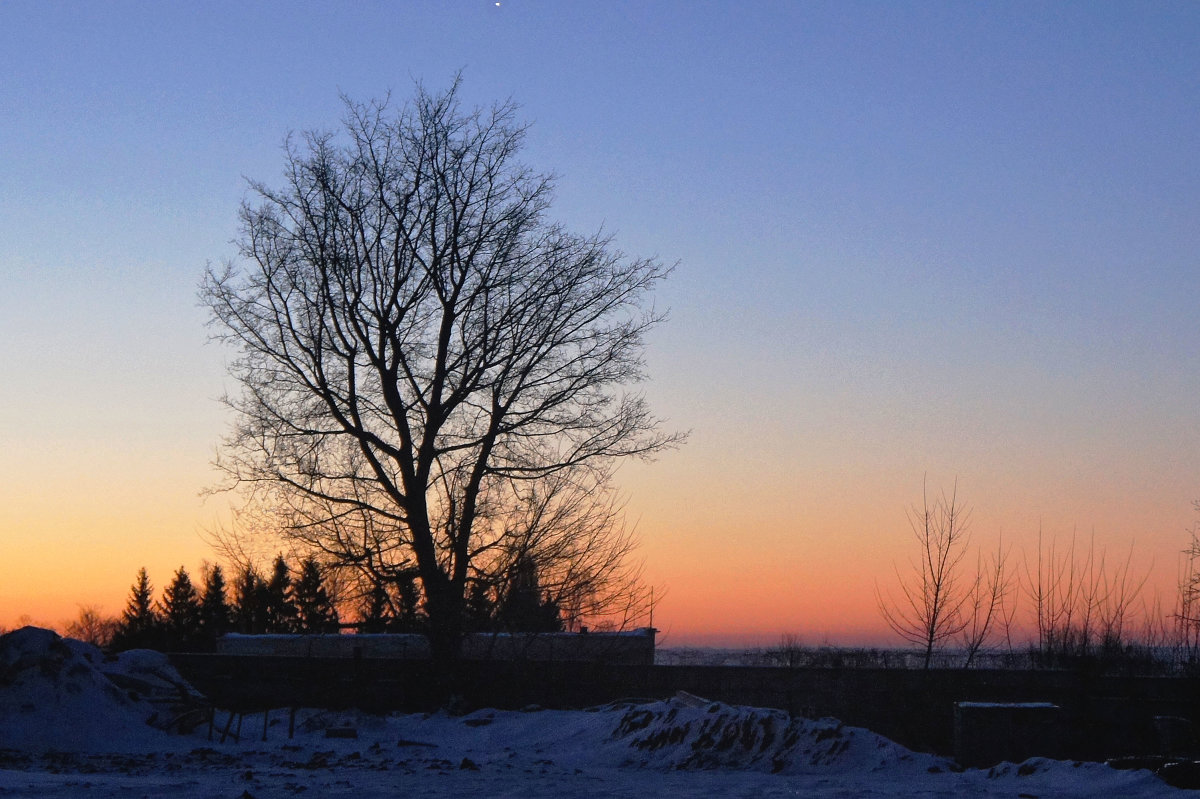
<point>718,591</point>
<point>795,553</point>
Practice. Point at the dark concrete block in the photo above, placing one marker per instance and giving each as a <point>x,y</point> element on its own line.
<point>986,733</point>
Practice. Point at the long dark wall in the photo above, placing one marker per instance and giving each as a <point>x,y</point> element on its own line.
<point>1102,716</point>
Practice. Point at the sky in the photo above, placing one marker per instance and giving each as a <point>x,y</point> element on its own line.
<point>916,243</point>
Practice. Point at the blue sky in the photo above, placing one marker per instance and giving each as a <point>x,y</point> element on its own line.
<point>948,238</point>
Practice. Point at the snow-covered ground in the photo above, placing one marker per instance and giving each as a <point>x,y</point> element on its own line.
<point>73,723</point>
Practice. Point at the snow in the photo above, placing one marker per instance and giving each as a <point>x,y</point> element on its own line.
<point>72,725</point>
<point>53,695</point>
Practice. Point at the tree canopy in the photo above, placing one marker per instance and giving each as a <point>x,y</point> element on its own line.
<point>427,363</point>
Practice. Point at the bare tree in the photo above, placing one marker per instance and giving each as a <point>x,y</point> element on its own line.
<point>1120,590</point>
<point>987,602</point>
<point>1081,604</point>
<point>930,607</point>
<point>574,536</point>
<point>790,652</point>
<point>92,626</point>
<point>1044,585</point>
<point>420,348</point>
<point>1187,611</point>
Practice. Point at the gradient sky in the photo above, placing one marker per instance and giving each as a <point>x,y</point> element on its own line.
<point>951,239</point>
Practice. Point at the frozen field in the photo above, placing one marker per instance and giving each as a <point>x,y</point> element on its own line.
<point>73,724</point>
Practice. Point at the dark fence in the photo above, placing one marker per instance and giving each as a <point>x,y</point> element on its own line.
<point>1101,716</point>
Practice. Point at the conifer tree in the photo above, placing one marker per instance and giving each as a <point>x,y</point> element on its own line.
<point>524,608</point>
<point>375,614</point>
<point>408,599</point>
<point>314,610</point>
<point>249,603</point>
<point>216,616</point>
<point>139,625</point>
<point>481,608</point>
<point>181,612</point>
<point>280,611</point>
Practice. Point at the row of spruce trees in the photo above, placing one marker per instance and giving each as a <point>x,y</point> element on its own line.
<point>191,619</point>
<point>188,618</point>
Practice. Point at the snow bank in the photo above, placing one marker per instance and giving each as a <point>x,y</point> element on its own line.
<point>680,734</point>
<point>66,695</point>
<point>688,733</point>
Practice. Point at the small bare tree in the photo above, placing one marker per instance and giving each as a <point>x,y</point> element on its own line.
<point>931,605</point>
<point>1120,590</point>
<point>1081,604</point>
<point>1187,612</point>
<point>1051,592</point>
<point>988,602</point>
<point>790,652</point>
<point>420,351</point>
<point>92,626</point>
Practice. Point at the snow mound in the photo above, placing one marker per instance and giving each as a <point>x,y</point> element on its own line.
<point>691,733</point>
<point>148,676</point>
<point>63,694</point>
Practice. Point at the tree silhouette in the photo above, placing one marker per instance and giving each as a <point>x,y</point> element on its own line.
<point>407,603</point>
<point>181,613</point>
<point>92,626</point>
<point>375,614</point>
<point>314,610</point>
<point>216,616</point>
<point>139,626</point>
<point>481,607</point>
<point>418,343</point>
<point>391,606</point>
<point>277,593</point>
<point>940,598</point>
<point>524,608</point>
<point>249,604</point>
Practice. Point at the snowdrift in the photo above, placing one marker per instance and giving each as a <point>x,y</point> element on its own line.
<point>66,695</point>
<point>688,732</point>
